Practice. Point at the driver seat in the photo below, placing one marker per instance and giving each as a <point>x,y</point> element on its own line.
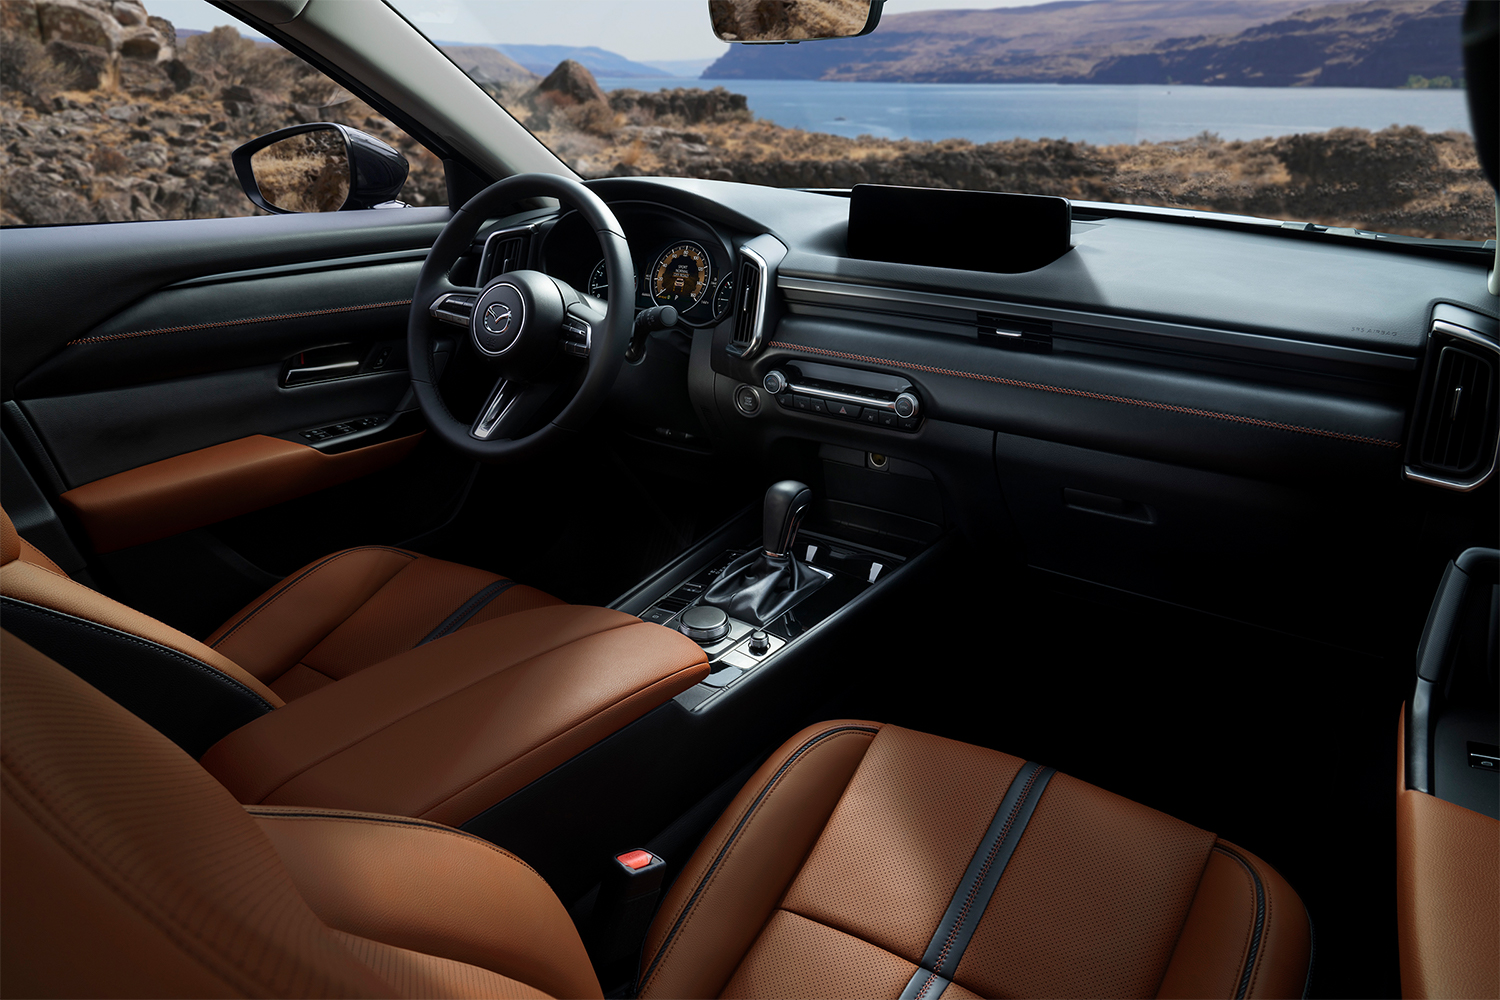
<point>329,620</point>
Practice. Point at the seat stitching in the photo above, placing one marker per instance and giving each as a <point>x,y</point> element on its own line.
<point>34,804</point>
<point>482,599</point>
<point>237,322</point>
<point>426,705</point>
<point>1127,400</point>
<point>543,745</point>
<point>963,914</point>
<point>379,820</point>
<point>213,672</point>
<point>1257,925</point>
<point>287,585</point>
<point>669,943</point>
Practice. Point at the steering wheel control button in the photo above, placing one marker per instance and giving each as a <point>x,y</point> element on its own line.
<point>774,382</point>
<point>704,623</point>
<point>499,318</point>
<point>747,400</point>
<point>907,405</point>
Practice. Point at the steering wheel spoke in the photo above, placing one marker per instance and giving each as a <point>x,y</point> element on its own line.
<point>456,308</point>
<point>510,406</point>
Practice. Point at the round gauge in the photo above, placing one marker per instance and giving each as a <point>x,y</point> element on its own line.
<point>599,281</point>
<point>680,276</point>
<point>724,297</point>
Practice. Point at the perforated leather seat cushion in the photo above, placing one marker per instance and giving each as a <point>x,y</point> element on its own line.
<point>858,859</point>
<point>344,612</point>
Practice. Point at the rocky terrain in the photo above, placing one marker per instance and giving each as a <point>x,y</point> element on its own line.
<point>1271,43</point>
<point>105,132</point>
<point>106,117</point>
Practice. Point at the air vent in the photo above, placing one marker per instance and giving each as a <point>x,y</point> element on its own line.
<point>749,313</point>
<point>505,250</point>
<point>1454,439</point>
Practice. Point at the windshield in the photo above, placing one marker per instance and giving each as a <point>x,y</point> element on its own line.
<point>1343,114</point>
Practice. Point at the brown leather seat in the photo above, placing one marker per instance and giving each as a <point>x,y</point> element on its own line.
<point>866,860</point>
<point>861,860</point>
<point>330,619</point>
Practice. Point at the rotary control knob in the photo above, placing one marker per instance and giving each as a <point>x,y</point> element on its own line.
<point>704,623</point>
<point>774,382</point>
<point>759,644</point>
<point>907,405</point>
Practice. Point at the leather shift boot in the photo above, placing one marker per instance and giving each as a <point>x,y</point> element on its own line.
<point>757,587</point>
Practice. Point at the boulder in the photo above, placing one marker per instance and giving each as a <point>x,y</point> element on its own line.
<point>19,17</point>
<point>570,83</point>
<point>146,79</point>
<point>82,66</point>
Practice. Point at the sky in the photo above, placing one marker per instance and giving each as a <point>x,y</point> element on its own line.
<point>643,30</point>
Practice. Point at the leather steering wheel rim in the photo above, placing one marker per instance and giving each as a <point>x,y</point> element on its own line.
<point>607,342</point>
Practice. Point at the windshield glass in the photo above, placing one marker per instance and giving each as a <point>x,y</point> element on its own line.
<point>1343,114</point>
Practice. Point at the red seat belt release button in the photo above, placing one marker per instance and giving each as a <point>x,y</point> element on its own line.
<point>635,860</point>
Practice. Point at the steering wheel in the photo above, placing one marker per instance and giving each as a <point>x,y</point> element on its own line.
<point>528,327</point>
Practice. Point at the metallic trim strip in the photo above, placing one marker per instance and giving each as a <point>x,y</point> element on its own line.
<point>842,397</point>
<point>1458,485</point>
<point>762,300</point>
<point>872,298</point>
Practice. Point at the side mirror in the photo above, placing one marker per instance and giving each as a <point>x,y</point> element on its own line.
<point>319,167</point>
<point>792,20</point>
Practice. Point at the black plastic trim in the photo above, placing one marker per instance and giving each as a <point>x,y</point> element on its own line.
<point>191,703</point>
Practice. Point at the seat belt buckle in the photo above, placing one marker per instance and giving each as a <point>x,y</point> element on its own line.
<point>626,903</point>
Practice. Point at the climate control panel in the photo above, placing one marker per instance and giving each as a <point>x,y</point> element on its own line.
<point>846,394</point>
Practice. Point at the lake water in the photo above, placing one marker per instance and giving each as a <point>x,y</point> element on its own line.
<point>985,112</point>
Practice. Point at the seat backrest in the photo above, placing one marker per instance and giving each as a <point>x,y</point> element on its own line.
<point>188,691</point>
<point>128,870</point>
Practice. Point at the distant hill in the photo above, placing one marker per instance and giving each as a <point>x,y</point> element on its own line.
<point>543,59</point>
<point>1241,42</point>
<point>486,64</point>
<point>1371,44</point>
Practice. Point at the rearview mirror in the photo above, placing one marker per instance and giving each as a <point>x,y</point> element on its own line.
<point>319,167</point>
<point>792,20</point>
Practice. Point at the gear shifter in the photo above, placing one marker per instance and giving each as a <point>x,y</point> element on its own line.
<point>758,586</point>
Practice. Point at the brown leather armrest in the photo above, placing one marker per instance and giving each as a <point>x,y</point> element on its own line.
<point>448,729</point>
<point>433,890</point>
<point>212,484</point>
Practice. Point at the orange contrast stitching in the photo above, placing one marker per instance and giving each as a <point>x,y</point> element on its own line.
<point>237,322</point>
<point>1127,400</point>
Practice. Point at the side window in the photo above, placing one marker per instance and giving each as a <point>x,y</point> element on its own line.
<point>112,112</point>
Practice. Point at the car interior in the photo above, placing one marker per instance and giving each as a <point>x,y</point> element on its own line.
<point>903,592</point>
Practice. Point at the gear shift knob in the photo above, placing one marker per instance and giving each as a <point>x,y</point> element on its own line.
<point>785,504</point>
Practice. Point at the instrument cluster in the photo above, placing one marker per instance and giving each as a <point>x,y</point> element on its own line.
<point>679,261</point>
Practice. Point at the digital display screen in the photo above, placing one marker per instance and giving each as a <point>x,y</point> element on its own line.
<point>970,230</point>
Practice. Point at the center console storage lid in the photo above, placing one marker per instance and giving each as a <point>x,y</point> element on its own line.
<point>448,729</point>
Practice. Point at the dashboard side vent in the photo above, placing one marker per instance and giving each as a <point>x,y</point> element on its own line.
<point>1455,434</point>
<point>1462,401</point>
<point>750,307</point>
<point>505,250</point>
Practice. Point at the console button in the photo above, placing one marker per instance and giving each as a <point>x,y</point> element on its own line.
<point>849,411</point>
<point>722,678</point>
<point>787,400</point>
<point>815,405</point>
<point>908,423</point>
<point>747,400</point>
<point>658,615</point>
<point>870,415</point>
<point>888,419</point>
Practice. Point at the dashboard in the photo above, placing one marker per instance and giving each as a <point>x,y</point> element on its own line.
<point>1168,409</point>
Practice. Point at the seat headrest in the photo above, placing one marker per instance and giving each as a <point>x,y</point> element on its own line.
<point>10,542</point>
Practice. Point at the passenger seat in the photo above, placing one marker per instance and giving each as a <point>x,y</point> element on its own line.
<point>861,860</point>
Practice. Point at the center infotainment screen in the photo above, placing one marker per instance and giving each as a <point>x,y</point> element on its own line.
<point>972,230</point>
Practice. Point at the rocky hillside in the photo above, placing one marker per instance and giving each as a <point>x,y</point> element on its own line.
<point>106,117</point>
<point>1376,43</point>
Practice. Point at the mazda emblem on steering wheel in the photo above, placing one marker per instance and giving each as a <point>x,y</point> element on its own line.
<point>497,318</point>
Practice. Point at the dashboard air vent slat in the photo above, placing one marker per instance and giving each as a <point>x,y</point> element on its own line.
<point>505,250</point>
<point>747,311</point>
<point>1460,410</point>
